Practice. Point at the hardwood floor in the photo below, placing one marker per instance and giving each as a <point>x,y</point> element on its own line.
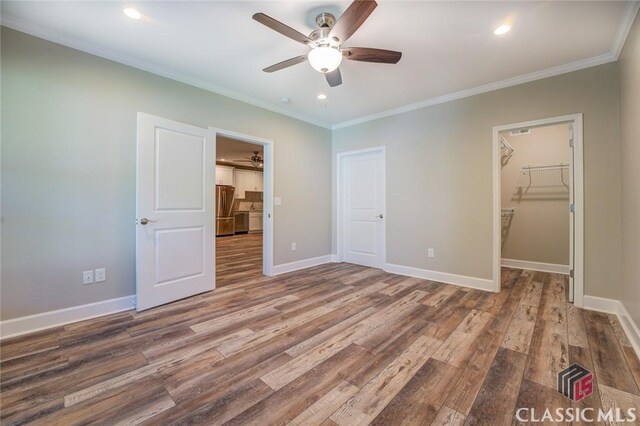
<point>335,344</point>
<point>238,258</point>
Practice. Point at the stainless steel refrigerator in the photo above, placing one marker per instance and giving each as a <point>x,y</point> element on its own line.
<point>224,206</point>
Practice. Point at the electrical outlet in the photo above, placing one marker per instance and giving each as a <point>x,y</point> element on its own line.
<point>87,277</point>
<point>431,253</point>
<point>101,275</point>
<point>293,246</point>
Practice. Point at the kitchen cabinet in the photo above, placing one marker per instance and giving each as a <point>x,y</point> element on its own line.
<point>255,221</point>
<point>247,180</point>
<point>224,175</point>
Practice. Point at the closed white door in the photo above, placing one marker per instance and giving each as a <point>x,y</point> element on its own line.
<point>362,192</point>
<point>175,239</point>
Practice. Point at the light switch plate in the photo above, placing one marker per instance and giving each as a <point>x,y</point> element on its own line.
<point>277,201</point>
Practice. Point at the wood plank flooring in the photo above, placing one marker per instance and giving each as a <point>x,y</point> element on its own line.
<point>334,344</point>
<point>238,258</point>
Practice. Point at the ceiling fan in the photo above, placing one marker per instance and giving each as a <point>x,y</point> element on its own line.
<point>326,43</point>
<point>256,160</point>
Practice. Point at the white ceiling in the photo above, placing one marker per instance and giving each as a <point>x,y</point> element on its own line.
<point>448,47</point>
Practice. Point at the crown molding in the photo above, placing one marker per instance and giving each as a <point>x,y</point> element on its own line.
<point>623,31</point>
<point>625,26</point>
<point>538,75</point>
<point>56,37</point>
<point>621,36</point>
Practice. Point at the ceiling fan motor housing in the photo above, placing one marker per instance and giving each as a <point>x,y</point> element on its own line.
<point>325,20</point>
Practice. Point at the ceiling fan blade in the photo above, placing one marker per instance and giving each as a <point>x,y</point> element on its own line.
<point>352,19</point>
<point>282,28</point>
<point>334,78</point>
<point>285,64</point>
<point>367,54</point>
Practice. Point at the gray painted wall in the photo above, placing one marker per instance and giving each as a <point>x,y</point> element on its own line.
<point>439,173</point>
<point>69,163</point>
<point>539,228</point>
<point>630,171</point>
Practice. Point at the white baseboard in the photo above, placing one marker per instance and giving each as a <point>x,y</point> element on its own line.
<point>335,258</point>
<point>612,306</point>
<point>443,277</point>
<point>29,324</point>
<point>536,266</point>
<point>302,264</point>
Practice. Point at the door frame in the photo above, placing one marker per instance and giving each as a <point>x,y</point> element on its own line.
<point>340,157</point>
<point>267,202</point>
<point>578,198</point>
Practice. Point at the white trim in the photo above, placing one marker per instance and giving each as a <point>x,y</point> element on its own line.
<point>302,264</point>
<point>538,75</point>
<point>536,266</point>
<point>56,37</point>
<point>578,193</point>
<point>339,157</point>
<point>616,307</point>
<point>32,323</point>
<point>625,26</point>
<point>267,204</point>
<point>443,277</point>
<point>601,304</point>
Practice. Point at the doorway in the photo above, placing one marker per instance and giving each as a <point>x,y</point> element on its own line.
<point>361,207</point>
<point>176,223</point>
<point>538,203</point>
<point>243,218</point>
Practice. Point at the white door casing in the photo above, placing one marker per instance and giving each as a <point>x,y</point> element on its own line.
<point>241,182</point>
<point>361,192</point>
<point>571,216</point>
<point>175,249</point>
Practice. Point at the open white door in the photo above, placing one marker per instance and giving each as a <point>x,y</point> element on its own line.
<point>175,235</point>
<point>362,193</point>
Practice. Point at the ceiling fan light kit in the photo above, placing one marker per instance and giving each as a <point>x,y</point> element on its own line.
<point>325,43</point>
<point>325,58</point>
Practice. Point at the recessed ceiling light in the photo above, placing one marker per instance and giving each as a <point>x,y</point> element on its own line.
<point>285,100</point>
<point>502,29</point>
<point>322,96</point>
<point>132,13</point>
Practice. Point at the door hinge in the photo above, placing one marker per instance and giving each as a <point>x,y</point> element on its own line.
<point>572,208</point>
<point>571,273</point>
<point>571,143</point>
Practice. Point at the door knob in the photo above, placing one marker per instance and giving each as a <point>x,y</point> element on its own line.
<point>144,221</point>
<point>380,216</point>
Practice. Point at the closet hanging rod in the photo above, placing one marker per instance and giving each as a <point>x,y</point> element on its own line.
<point>550,167</point>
